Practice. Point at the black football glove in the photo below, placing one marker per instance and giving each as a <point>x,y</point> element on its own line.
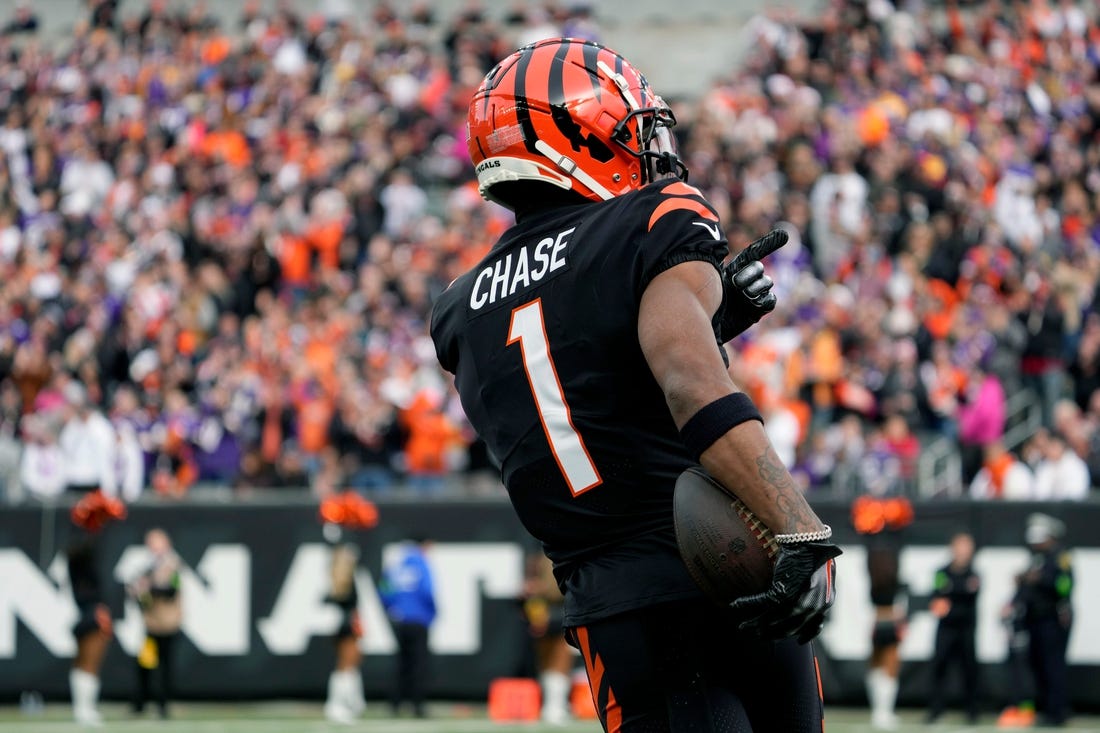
<point>746,290</point>
<point>802,591</point>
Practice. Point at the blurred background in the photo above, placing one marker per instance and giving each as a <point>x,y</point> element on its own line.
<point>222,226</point>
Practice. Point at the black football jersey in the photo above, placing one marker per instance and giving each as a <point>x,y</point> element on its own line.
<point>542,337</point>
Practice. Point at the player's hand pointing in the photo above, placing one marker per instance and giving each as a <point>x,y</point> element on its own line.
<point>747,290</point>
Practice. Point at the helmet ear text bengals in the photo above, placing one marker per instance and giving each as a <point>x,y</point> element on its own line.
<point>519,270</point>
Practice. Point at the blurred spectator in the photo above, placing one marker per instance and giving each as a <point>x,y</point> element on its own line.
<point>429,451</point>
<point>174,466</point>
<point>367,438</point>
<point>981,416</point>
<point>1090,436</point>
<point>1060,473</point>
<point>1002,476</point>
<point>87,442</point>
<point>404,203</point>
<point>245,225</point>
<point>783,428</point>
<point>838,203</point>
<point>24,19</point>
<point>1069,422</point>
<point>902,393</point>
<point>1043,363</point>
<point>1085,368</point>
<point>204,257</point>
<point>882,469</point>
<point>130,425</point>
<point>944,383</point>
<point>10,442</point>
<point>834,456</point>
<point>42,471</point>
<point>903,445</point>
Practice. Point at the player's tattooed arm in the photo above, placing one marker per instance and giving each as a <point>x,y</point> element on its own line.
<point>773,471</point>
<point>675,333</point>
<point>789,502</point>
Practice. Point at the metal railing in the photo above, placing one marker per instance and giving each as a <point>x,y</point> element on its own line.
<point>1023,416</point>
<point>939,469</point>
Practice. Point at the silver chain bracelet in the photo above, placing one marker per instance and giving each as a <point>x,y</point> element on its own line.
<point>791,539</point>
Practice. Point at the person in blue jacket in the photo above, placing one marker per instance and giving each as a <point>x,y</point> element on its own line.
<point>408,595</point>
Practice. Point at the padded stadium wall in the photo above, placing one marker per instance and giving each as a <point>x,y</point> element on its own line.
<point>256,625</point>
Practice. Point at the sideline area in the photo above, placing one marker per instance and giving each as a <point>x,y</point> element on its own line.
<point>301,717</point>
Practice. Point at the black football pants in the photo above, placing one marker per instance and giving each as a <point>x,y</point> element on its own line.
<point>1047,652</point>
<point>165,654</point>
<point>411,679</point>
<point>955,645</point>
<point>683,668</point>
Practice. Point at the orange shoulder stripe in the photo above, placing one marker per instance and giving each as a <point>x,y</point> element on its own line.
<point>681,189</point>
<point>676,204</point>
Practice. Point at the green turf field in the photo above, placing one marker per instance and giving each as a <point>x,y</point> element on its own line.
<point>292,717</point>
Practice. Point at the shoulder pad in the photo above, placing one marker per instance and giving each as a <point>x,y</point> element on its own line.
<point>668,197</point>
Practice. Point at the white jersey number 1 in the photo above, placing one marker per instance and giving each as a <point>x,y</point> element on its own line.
<point>529,329</point>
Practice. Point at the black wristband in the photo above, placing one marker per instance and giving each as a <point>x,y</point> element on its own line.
<point>715,420</point>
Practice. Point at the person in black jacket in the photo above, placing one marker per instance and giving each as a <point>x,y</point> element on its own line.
<point>1043,362</point>
<point>1045,590</point>
<point>954,603</point>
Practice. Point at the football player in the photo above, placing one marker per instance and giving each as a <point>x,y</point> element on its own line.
<point>586,349</point>
<point>93,628</point>
<point>339,512</point>
<point>345,701</point>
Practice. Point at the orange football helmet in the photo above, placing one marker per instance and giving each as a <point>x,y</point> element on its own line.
<point>574,114</point>
<point>350,510</point>
<point>95,510</point>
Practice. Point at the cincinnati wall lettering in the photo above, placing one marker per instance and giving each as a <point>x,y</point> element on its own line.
<point>256,624</point>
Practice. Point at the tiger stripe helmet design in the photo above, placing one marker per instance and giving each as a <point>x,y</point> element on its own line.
<point>574,114</point>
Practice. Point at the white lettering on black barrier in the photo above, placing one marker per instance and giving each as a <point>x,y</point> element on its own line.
<point>300,611</point>
<point>218,616</point>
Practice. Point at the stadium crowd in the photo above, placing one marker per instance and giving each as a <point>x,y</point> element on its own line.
<point>219,245</point>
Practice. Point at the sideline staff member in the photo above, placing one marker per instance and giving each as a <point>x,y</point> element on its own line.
<point>954,603</point>
<point>408,595</point>
<point>1046,589</point>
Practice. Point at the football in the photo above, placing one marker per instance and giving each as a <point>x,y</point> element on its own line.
<point>728,551</point>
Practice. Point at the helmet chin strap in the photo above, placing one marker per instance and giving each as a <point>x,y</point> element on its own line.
<point>621,83</point>
<point>570,168</point>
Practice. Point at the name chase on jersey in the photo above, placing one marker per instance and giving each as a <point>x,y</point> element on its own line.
<point>518,270</point>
